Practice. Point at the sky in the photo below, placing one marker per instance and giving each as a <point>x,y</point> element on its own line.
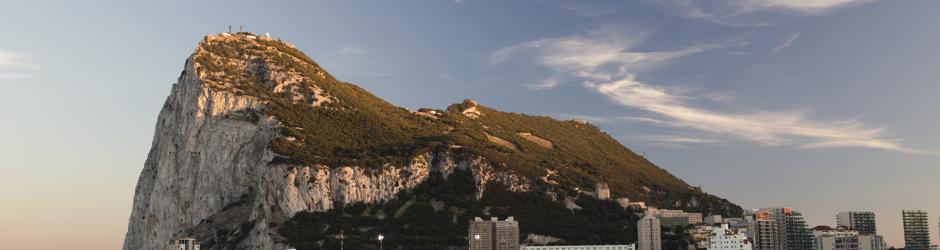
<point>819,105</point>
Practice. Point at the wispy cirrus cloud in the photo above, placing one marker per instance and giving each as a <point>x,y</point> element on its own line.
<point>786,43</point>
<point>751,12</point>
<point>608,60</point>
<point>671,141</point>
<point>13,66</point>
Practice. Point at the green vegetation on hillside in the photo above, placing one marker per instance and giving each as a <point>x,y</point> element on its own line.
<point>358,128</point>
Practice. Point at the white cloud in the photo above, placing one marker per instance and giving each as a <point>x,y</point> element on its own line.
<point>608,62</point>
<point>12,66</point>
<point>587,9</point>
<point>786,43</point>
<point>459,1</point>
<point>735,12</point>
<point>12,76</point>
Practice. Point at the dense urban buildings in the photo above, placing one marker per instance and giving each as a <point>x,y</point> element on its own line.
<point>916,230</point>
<point>494,234</point>
<point>184,244</point>
<point>863,222</point>
<point>724,238</point>
<point>649,234</point>
<point>586,247</point>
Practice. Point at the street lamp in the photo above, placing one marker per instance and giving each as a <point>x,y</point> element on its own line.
<point>381,237</point>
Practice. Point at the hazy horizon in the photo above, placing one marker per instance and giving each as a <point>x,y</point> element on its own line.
<point>822,106</point>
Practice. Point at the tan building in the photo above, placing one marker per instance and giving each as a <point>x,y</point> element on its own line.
<point>494,234</point>
<point>601,191</point>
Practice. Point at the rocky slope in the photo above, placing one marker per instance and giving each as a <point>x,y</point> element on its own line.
<point>254,132</point>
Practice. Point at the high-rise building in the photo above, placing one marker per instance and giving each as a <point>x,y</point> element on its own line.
<point>765,232</point>
<point>863,222</point>
<point>494,234</point>
<point>770,228</point>
<point>916,230</point>
<point>799,236</point>
<point>648,232</point>
<point>184,244</point>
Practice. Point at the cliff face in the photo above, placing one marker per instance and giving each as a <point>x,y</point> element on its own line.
<point>209,162</point>
<point>253,132</point>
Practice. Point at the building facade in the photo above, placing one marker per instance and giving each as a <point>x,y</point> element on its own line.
<point>843,238</point>
<point>184,244</point>
<point>766,232</point>
<point>799,236</point>
<point>863,222</point>
<point>649,234</point>
<point>583,247</point>
<point>601,191</point>
<point>675,218</point>
<point>724,238</point>
<point>916,230</point>
<point>494,234</point>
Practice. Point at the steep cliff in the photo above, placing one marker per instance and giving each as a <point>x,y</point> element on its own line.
<point>254,133</point>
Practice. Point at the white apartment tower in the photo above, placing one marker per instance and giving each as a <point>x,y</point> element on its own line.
<point>648,230</point>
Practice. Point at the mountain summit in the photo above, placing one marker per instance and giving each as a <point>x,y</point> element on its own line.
<point>258,147</point>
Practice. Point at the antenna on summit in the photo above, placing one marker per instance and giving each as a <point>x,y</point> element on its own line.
<point>230,29</point>
<point>241,28</point>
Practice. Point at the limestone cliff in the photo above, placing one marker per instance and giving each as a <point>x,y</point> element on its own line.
<point>254,132</point>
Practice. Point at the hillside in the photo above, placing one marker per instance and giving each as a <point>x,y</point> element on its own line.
<point>259,147</point>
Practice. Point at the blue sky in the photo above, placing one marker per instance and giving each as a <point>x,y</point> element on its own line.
<point>822,106</point>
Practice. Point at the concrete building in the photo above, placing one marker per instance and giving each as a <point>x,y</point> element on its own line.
<point>799,236</point>
<point>766,233</point>
<point>844,238</point>
<point>649,234</point>
<point>584,247</point>
<point>494,234</point>
<point>724,238</point>
<point>184,244</point>
<point>713,219</point>
<point>601,191</point>
<point>675,218</point>
<point>779,228</point>
<point>863,222</point>
<point>916,230</point>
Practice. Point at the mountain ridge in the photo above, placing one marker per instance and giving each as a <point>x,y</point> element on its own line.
<point>255,133</point>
